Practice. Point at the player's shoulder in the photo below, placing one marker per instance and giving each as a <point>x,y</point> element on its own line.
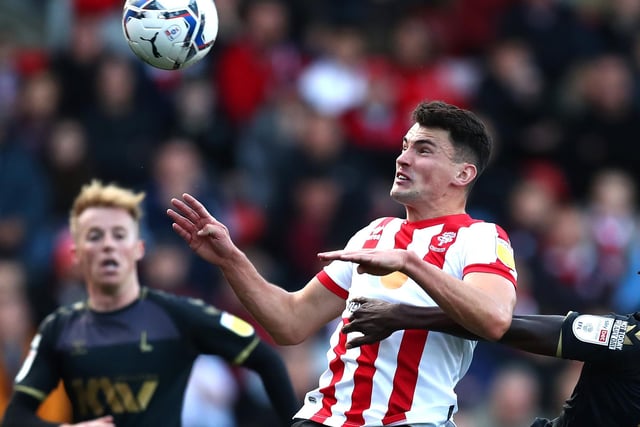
<point>63,314</point>
<point>486,227</point>
<point>174,302</point>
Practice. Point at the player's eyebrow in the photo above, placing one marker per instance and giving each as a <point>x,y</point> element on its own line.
<point>421,141</point>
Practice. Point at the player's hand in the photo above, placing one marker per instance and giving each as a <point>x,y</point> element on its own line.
<point>106,421</point>
<point>379,262</point>
<point>205,235</point>
<point>374,319</point>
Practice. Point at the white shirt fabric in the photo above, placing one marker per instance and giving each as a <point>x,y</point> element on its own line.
<point>408,378</point>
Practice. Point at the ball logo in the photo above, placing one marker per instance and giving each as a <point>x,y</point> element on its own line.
<point>172,32</point>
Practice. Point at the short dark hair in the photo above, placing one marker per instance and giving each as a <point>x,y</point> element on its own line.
<point>468,134</point>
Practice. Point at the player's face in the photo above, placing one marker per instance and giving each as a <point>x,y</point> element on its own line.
<point>107,247</point>
<point>425,167</point>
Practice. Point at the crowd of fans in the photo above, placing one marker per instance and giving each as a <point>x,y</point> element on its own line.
<point>288,130</point>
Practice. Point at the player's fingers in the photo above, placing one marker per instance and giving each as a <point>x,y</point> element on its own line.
<point>360,341</point>
<point>196,206</point>
<point>361,300</point>
<point>183,222</point>
<point>186,236</point>
<point>185,210</point>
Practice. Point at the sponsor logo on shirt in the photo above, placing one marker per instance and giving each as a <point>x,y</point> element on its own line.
<point>376,233</point>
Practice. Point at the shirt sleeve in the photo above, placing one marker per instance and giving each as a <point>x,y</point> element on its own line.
<point>39,373</point>
<point>611,339</point>
<point>213,331</point>
<point>489,252</point>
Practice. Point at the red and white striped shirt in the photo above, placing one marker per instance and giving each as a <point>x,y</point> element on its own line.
<point>409,377</point>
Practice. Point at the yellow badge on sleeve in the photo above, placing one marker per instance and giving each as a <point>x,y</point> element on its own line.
<point>236,324</point>
<point>504,252</point>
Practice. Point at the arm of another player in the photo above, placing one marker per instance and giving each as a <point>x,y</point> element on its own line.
<point>289,317</point>
<point>482,302</point>
<point>21,412</point>
<point>378,319</point>
<point>268,364</point>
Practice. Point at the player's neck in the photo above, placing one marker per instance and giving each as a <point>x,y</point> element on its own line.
<point>108,298</point>
<point>415,214</point>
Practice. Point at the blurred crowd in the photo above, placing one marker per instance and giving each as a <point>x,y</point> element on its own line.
<point>288,130</point>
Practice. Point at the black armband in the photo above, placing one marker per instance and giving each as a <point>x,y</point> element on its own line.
<point>600,338</point>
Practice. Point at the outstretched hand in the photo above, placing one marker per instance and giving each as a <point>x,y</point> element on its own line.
<point>205,235</point>
<point>379,262</point>
<point>374,319</point>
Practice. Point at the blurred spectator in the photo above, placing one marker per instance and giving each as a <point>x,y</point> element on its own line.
<point>568,265</point>
<point>336,81</point>
<point>212,392</point>
<point>554,32</point>
<point>177,167</point>
<point>612,216</point>
<point>320,198</point>
<point>421,72</point>
<point>122,126</point>
<point>36,111</point>
<point>76,65</point>
<point>512,94</point>
<point>258,63</point>
<point>67,165</point>
<point>602,132</point>
<point>513,399</point>
<point>197,117</point>
<point>9,77</point>
<point>24,200</point>
<point>265,144</point>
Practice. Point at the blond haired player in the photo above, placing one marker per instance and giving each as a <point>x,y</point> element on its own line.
<point>125,354</point>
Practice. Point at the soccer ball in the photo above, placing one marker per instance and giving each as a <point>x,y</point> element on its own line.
<point>170,34</point>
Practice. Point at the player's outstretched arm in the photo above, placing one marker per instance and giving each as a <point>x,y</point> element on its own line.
<point>21,412</point>
<point>278,311</point>
<point>268,364</point>
<point>377,319</point>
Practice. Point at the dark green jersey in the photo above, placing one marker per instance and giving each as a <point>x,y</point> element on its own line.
<point>133,363</point>
<point>608,391</point>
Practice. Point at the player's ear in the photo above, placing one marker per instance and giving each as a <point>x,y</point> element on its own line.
<point>140,249</point>
<point>466,174</point>
<point>74,254</point>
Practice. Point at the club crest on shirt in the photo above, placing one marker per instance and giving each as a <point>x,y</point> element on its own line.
<point>236,324</point>
<point>441,242</point>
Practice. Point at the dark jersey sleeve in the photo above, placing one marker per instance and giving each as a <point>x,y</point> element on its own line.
<point>39,373</point>
<point>37,377</point>
<point>209,330</point>
<point>21,412</point>
<point>606,338</point>
<point>212,331</point>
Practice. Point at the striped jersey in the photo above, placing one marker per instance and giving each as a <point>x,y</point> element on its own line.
<point>408,378</point>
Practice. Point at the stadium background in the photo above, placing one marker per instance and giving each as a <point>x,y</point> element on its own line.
<point>288,131</point>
